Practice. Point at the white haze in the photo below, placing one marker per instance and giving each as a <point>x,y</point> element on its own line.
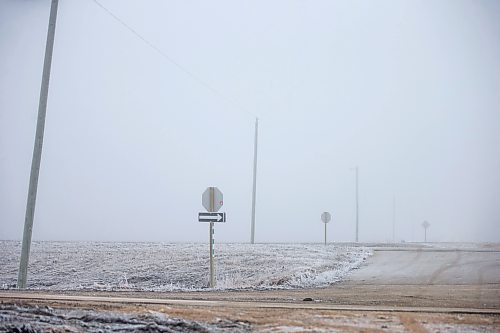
<point>409,91</point>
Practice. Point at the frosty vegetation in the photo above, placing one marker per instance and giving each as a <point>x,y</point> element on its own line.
<point>177,267</point>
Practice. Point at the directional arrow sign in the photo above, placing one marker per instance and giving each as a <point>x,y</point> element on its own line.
<point>211,217</point>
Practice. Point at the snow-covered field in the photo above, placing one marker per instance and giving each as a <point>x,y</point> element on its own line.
<point>171,267</point>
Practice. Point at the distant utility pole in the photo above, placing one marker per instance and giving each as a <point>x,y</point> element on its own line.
<point>394,219</point>
<point>357,205</point>
<point>426,225</point>
<point>252,237</point>
<point>37,150</point>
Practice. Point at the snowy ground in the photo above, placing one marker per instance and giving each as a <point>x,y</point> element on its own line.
<point>403,288</point>
<point>22,318</point>
<point>172,267</point>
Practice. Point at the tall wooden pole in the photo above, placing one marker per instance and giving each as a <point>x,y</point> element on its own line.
<point>37,150</point>
<point>252,237</point>
<point>357,207</point>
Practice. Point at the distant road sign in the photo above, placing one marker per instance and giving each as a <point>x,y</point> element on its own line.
<point>211,217</point>
<point>326,217</point>
<point>211,199</point>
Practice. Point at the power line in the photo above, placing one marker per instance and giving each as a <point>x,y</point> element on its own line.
<point>172,61</point>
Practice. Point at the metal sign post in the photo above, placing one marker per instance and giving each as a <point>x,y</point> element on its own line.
<point>212,200</point>
<point>211,282</point>
<point>326,217</point>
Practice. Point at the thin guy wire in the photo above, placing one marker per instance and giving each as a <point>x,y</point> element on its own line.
<point>172,61</point>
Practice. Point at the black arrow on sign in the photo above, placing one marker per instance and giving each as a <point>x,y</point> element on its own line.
<point>211,217</point>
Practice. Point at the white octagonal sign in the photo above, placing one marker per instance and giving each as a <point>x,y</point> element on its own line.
<point>211,199</point>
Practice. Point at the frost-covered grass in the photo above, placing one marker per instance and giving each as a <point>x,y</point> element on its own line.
<point>175,267</point>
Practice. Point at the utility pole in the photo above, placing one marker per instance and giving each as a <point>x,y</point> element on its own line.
<point>37,150</point>
<point>394,219</point>
<point>357,205</point>
<point>252,237</point>
<point>426,225</point>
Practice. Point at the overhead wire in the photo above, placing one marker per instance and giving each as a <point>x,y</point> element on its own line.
<point>165,56</point>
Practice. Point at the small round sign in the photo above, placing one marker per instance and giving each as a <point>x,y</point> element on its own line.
<point>326,217</point>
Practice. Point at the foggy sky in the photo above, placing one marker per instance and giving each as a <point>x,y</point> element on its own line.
<point>408,91</point>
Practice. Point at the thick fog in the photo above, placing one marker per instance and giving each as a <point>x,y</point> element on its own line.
<point>152,101</point>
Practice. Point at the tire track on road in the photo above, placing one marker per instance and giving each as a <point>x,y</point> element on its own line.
<point>412,262</point>
<point>445,267</point>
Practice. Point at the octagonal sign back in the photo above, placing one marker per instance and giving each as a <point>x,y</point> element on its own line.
<point>212,199</point>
